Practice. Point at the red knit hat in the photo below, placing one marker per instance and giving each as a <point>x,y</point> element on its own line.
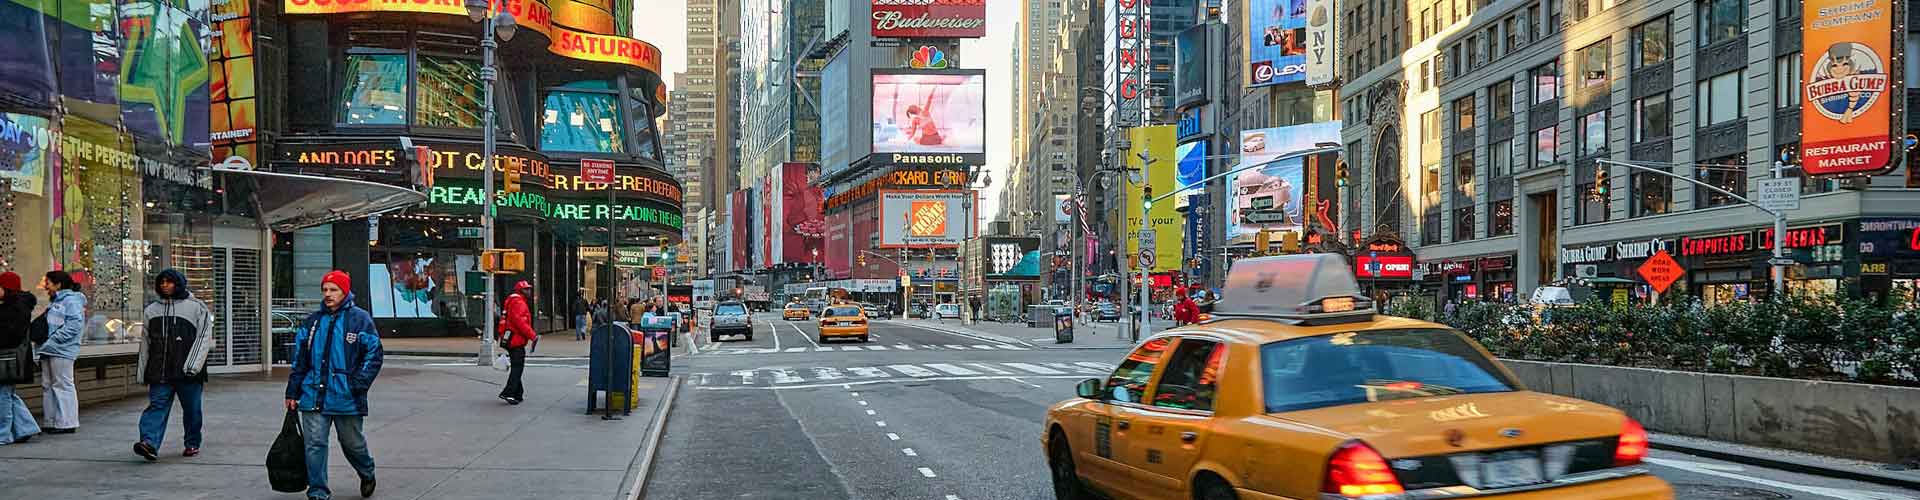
<point>340,279</point>
<point>10,281</point>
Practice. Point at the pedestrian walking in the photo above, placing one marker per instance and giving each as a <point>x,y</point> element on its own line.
<point>336,356</point>
<point>66,317</point>
<point>580,315</point>
<point>16,318</point>
<point>516,334</point>
<point>1186,312</point>
<point>173,361</point>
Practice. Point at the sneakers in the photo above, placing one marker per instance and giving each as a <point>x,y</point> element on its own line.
<point>190,452</point>
<point>146,451</point>
<point>366,487</point>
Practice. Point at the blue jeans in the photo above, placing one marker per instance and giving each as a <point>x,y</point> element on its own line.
<point>16,421</point>
<point>153,422</point>
<point>353,444</point>
<point>580,327</point>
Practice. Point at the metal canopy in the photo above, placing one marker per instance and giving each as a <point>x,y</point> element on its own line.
<point>294,201</point>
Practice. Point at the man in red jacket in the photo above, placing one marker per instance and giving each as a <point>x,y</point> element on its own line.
<point>516,333</point>
<point>1186,312</point>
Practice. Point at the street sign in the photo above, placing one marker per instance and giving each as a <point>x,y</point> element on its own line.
<point>1146,258</point>
<point>470,232</point>
<point>1661,271</point>
<point>596,171</point>
<point>1146,239</point>
<point>1266,216</point>
<point>1779,194</point>
<point>1782,261</point>
<point>659,272</point>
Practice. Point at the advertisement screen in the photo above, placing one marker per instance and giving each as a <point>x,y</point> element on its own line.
<point>1165,220</point>
<point>833,115</point>
<point>738,213</point>
<point>929,112</point>
<point>839,252</point>
<point>25,141</point>
<point>1847,109</point>
<point>920,219</point>
<point>1322,44</point>
<point>802,226</point>
<point>1190,66</point>
<point>405,287</point>
<point>1192,164</point>
<point>1012,257</point>
<point>1276,41</point>
<point>1269,197</point>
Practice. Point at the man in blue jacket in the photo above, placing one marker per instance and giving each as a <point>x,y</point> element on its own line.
<point>336,356</point>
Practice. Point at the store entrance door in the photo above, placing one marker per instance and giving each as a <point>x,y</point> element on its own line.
<point>237,300</point>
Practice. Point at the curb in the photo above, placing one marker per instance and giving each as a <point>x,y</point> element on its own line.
<point>468,355</point>
<point>652,444</point>
<point>1788,465</point>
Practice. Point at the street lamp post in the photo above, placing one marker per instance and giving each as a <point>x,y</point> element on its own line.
<point>494,24</point>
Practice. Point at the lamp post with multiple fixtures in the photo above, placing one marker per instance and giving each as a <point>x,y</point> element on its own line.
<point>495,24</point>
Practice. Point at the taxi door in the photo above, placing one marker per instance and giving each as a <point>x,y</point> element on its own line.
<point>1115,469</point>
<point>1172,430</point>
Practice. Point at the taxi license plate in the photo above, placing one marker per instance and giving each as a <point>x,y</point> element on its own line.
<point>843,323</point>
<point>1503,470</point>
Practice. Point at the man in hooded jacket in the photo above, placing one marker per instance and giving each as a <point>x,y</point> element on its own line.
<point>516,333</point>
<point>336,356</point>
<point>173,361</point>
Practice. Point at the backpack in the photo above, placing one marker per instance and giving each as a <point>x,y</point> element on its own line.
<point>37,332</point>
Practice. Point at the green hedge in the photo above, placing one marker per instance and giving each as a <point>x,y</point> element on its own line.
<point>1825,338</point>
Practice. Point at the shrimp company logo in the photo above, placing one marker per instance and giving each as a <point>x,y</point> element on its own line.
<point>927,219</point>
<point>1846,81</point>
<point>928,57</point>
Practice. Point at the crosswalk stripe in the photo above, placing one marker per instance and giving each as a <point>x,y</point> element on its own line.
<point>983,347</point>
<point>1065,367</point>
<point>796,349</point>
<point>746,376</point>
<point>955,370</point>
<point>989,368</point>
<point>768,350</point>
<point>822,349</point>
<point>849,348</point>
<point>1095,366</point>
<point>868,372</point>
<point>876,348</point>
<point>903,347</point>
<point>955,347</point>
<point>827,373</point>
<point>1034,368</point>
<point>1011,347</point>
<point>913,371</point>
<point>785,376</point>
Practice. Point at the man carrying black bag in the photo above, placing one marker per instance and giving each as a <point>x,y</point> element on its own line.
<point>336,356</point>
<point>287,459</point>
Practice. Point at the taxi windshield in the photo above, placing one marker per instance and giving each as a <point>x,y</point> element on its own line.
<point>1369,366</point>
<point>842,311</point>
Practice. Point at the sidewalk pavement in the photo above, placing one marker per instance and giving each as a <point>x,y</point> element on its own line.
<point>552,344</point>
<point>434,431</point>
<point>1086,335</point>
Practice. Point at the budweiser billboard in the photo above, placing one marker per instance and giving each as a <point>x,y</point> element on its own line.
<point>929,18</point>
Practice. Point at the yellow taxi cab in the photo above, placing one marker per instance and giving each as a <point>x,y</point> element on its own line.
<point>794,311</point>
<point>843,321</point>
<point>1295,389</point>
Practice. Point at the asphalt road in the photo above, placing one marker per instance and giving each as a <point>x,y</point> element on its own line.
<point>923,414</point>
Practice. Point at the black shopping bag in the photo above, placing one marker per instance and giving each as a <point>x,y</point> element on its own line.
<point>287,459</point>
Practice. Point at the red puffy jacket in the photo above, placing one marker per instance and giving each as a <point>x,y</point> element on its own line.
<point>1186,311</point>
<point>518,322</point>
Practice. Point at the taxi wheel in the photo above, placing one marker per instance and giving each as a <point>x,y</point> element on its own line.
<point>864,339</point>
<point>1066,481</point>
<point>1213,488</point>
<point>823,339</point>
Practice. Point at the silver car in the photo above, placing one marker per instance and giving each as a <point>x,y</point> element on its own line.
<point>730,318</point>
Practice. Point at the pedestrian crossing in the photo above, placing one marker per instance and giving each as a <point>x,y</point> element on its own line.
<point>734,351</point>
<point>823,376</point>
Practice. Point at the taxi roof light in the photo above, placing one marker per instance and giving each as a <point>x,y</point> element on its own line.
<point>1357,471</point>
<point>1303,289</point>
<point>1633,444</point>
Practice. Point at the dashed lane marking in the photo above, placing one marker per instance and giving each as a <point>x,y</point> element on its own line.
<point>927,472</point>
<point>909,452</point>
<point>893,437</point>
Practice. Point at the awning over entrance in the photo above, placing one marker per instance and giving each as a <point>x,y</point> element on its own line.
<point>294,201</point>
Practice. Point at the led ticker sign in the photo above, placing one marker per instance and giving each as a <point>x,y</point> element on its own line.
<point>444,157</point>
<point>648,184</point>
<point>560,210</point>
<point>605,48</point>
<point>900,178</point>
<point>532,14</point>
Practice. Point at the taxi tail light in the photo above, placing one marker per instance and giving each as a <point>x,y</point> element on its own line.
<point>1633,444</point>
<point>1356,470</point>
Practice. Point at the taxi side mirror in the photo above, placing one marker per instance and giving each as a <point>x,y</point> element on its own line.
<point>1089,388</point>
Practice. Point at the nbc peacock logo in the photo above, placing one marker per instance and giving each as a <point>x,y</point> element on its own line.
<point>928,57</point>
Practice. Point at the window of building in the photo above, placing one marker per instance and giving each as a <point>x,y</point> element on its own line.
<point>582,117</point>
<point>1553,18</point>
<point>1463,114</point>
<point>1453,61</point>
<point>1652,118</point>
<point>1430,205</point>
<point>1786,81</point>
<point>1426,75</point>
<point>1593,205</point>
<point>1580,9</point>
<point>1720,20</point>
<point>1546,82</point>
<point>449,93</point>
<point>1463,223</point>
<point>1728,173</point>
<point>1502,218</point>
<point>1430,127</point>
<point>1593,64</point>
<point>1500,99</point>
<point>1546,143</point>
<point>1426,23</point>
<point>1513,34</point>
<point>1652,42</point>
<point>1499,159</point>
<point>1593,133</point>
<point>1717,100</point>
<point>376,90</point>
<point>1786,9</point>
<point>1652,194</point>
<point>1529,21</point>
<point>1463,175</point>
<point>1471,49</point>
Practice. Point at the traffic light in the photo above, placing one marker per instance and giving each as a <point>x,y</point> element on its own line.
<point>1146,196</point>
<point>862,258</point>
<point>1260,242</point>
<point>1600,183</point>
<point>1340,173</point>
<point>512,178</point>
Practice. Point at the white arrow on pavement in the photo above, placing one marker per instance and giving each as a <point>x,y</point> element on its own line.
<point>1727,471</point>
